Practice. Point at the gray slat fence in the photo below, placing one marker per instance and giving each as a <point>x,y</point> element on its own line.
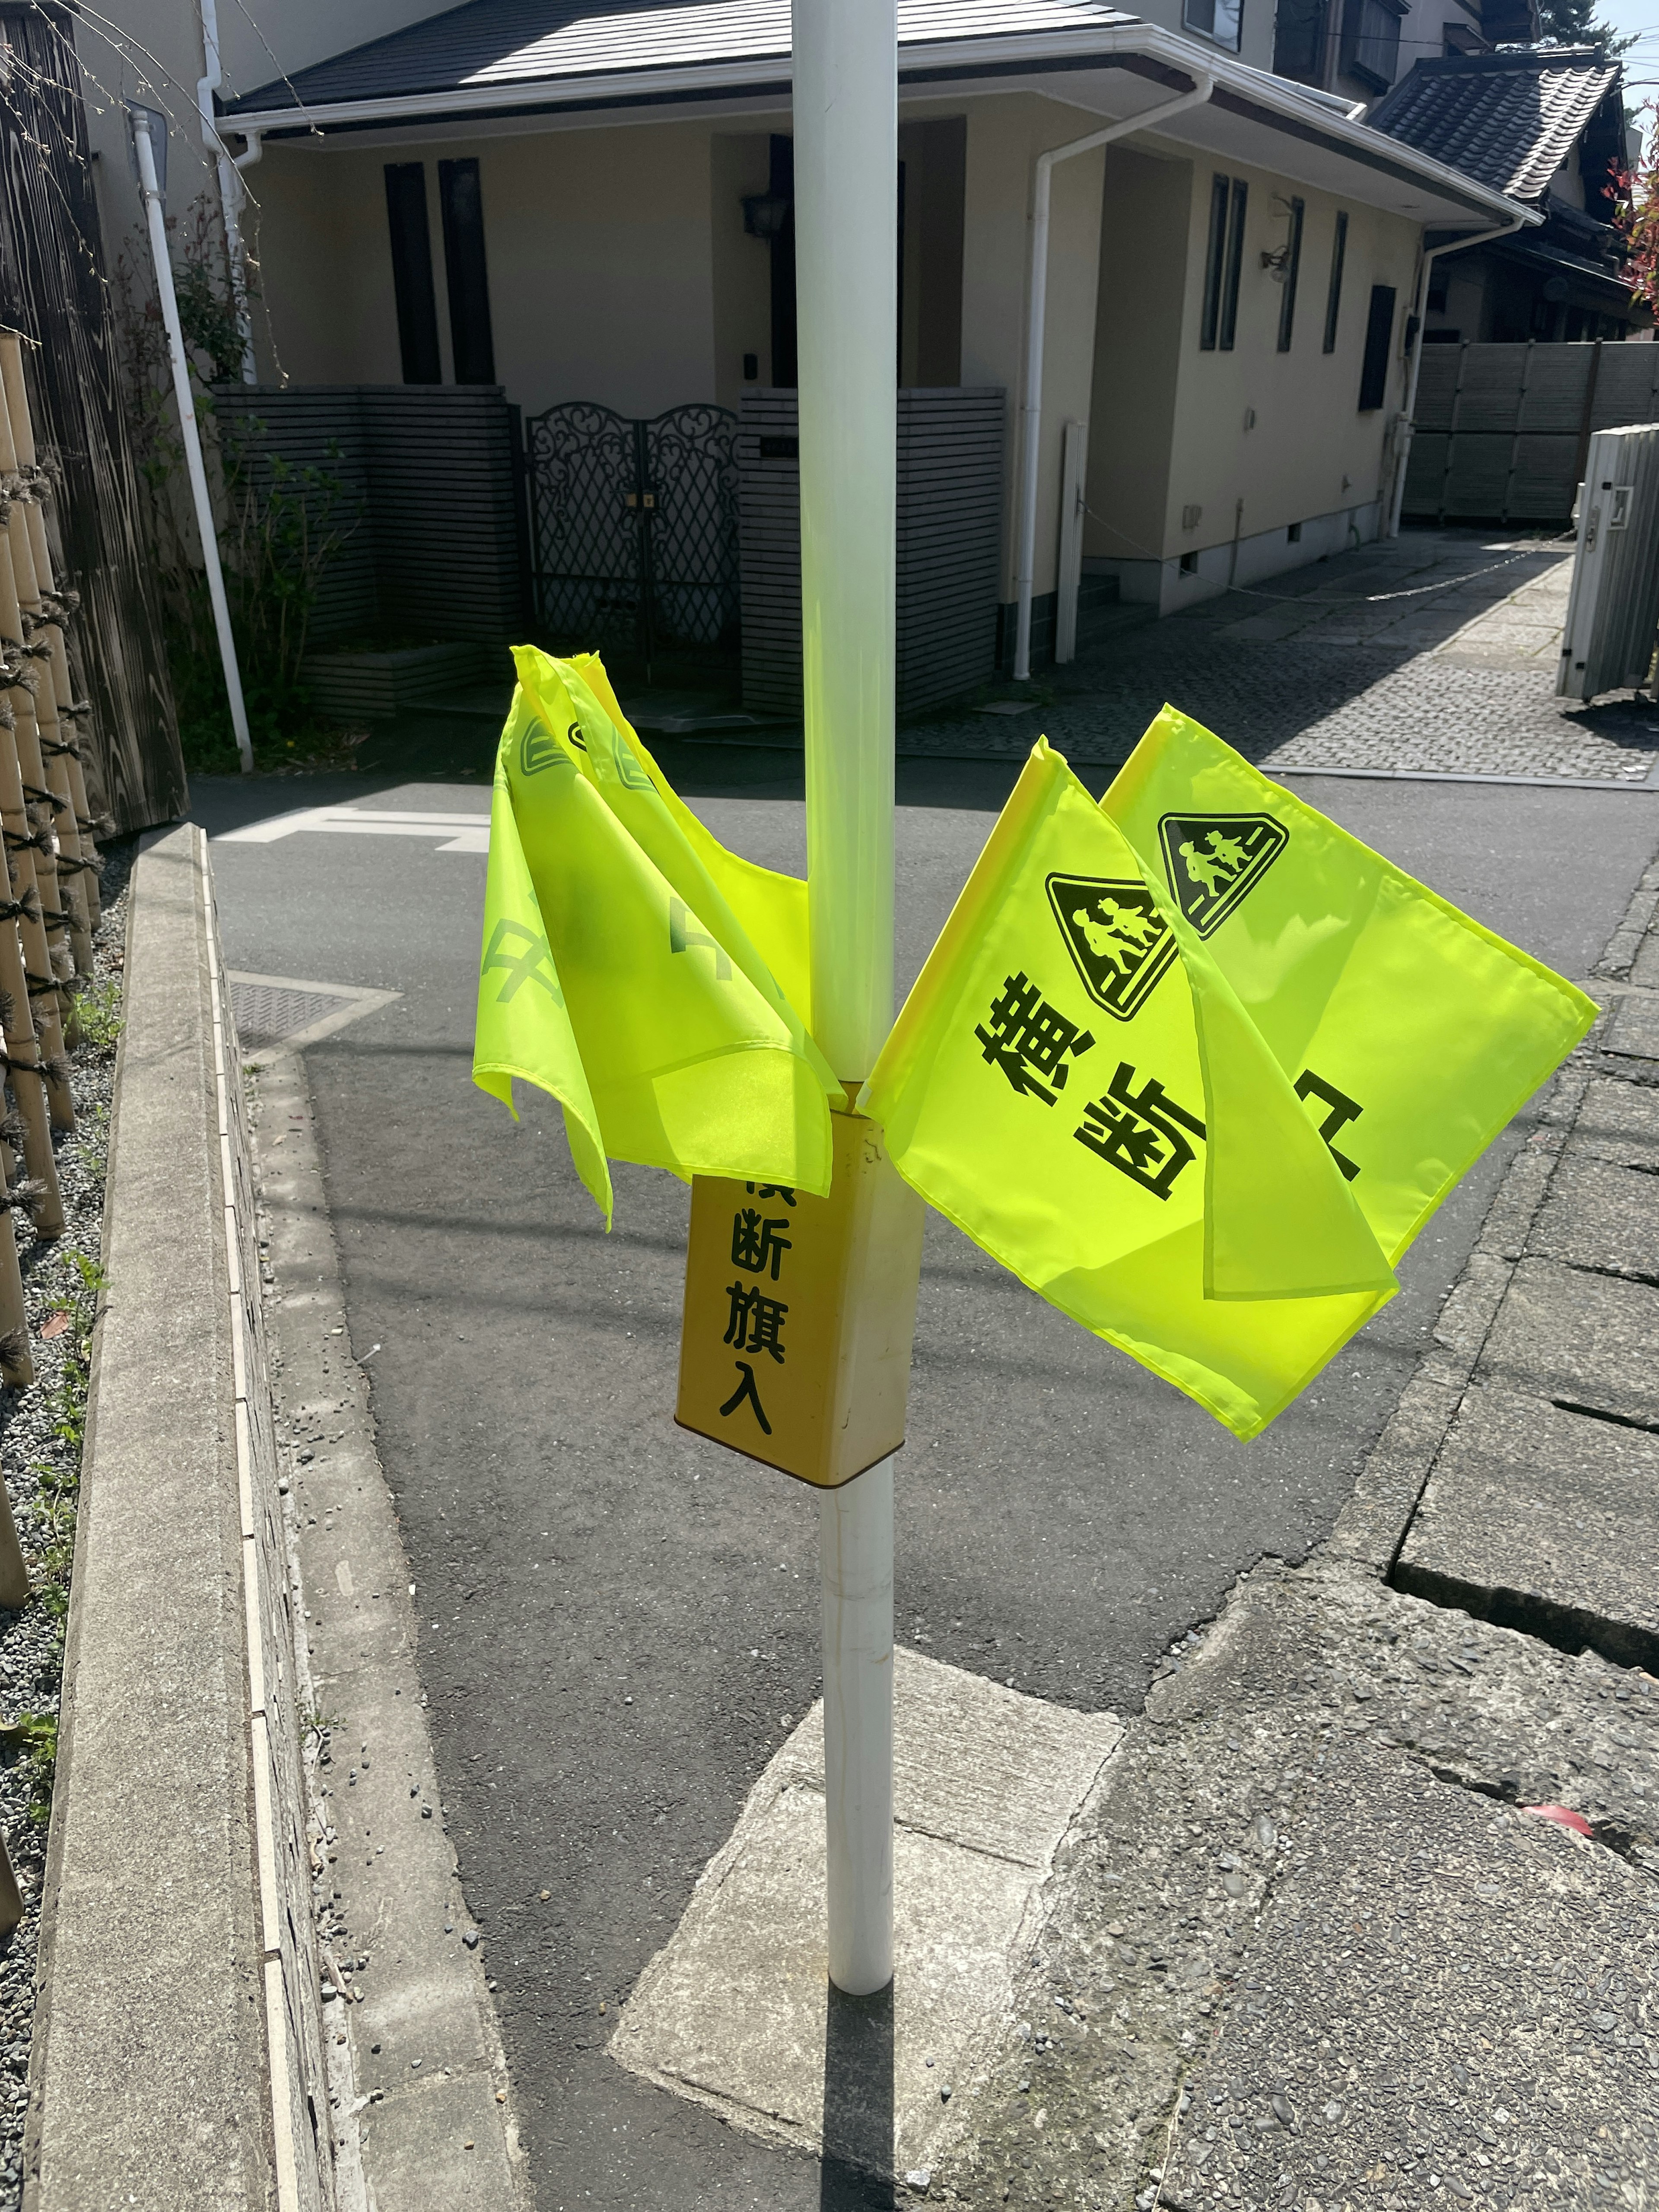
<point>949,539</point>
<point>1500,431</point>
<point>431,474</point>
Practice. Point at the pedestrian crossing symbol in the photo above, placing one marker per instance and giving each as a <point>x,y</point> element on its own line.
<point>1212,860</point>
<point>1119,941</point>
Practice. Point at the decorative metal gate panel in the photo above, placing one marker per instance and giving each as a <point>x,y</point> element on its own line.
<point>634,530</point>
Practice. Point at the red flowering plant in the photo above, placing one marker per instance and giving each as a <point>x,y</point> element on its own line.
<point>1636,214</point>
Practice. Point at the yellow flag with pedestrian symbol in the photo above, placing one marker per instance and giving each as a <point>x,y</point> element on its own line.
<point>1075,1084</point>
<point>1412,1033</point>
<point>619,971</point>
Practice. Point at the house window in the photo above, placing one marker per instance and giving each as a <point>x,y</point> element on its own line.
<point>1333,295</point>
<point>1292,269</point>
<point>1379,330</point>
<point>1223,260</point>
<point>1370,41</point>
<point>411,272</point>
<point>462,203</point>
<point>1299,40</point>
<point>1220,20</point>
<point>1235,262</point>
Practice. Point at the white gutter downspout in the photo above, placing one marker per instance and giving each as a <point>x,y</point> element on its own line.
<point>1403,446</point>
<point>144,150</point>
<point>230,182</point>
<point>1036,313</point>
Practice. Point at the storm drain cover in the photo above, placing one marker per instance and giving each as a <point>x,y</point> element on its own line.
<point>269,1013</point>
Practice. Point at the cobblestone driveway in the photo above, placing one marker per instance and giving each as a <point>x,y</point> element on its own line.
<point>1437,651</point>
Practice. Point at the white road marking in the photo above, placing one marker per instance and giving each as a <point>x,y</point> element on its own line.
<point>459,833</point>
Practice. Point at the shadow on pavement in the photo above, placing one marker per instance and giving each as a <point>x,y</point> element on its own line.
<point>857,2170</point>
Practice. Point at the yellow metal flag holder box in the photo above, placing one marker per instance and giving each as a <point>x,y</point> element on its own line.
<point>795,1345</point>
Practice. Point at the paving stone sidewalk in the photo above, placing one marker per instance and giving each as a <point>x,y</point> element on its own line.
<point>1436,650</point>
<point>1306,1947</point>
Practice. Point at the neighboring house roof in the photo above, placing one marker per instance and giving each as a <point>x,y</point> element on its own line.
<point>579,62</point>
<point>517,41</point>
<point>1509,120</point>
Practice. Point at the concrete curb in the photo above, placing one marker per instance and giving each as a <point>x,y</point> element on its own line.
<point>178,2055</point>
<point>423,2118</point>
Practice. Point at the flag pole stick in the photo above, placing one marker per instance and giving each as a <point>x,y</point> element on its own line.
<point>846,120</point>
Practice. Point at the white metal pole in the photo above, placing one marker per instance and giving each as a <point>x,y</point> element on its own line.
<point>198,484</point>
<point>846,118</point>
<point>1036,316</point>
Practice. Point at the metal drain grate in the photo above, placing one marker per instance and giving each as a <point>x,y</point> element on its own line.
<point>267,1014</point>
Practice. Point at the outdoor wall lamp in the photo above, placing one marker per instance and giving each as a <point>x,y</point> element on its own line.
<point>765,214</point>
<point>1277,263</point>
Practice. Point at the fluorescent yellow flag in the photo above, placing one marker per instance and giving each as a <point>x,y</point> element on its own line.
<point>615,972</point>
<point>1414,1034</point>
<point>1068,1053</point>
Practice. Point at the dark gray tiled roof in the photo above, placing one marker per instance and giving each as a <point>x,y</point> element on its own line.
<point>1508,120</point>
<point>515,42</point>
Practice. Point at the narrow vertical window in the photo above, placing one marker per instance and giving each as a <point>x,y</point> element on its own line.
<point>461,199</point>
<point>1235,262</point>
<point>1213,266</point>
<point>411,272</point>
<point>1333,296</point>
<point>1379,330</point>
<point>781,186</point>
<point>1292,269</point>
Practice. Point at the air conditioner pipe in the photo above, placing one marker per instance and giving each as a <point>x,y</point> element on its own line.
<point>1403,446</point>
<point>1036,316</point>
<point>155,214</point>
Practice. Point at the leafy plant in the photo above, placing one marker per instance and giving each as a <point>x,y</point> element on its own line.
<point>279,523</point>
<point>98,1014</point>
<point>1637,215</point>
<point>35,1735</point>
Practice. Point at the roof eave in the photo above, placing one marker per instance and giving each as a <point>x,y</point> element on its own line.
<point>1162,53</point>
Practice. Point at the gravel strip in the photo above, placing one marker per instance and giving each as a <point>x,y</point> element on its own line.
<point>41,1450</point>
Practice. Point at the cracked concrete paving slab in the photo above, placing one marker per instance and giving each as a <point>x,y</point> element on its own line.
<point>1619,1121</point>
<point>1546,1522</point>
<point>1601,1217</point>
<point>1633,1032</point>
<point>735,2012</point>
<point>1324,1711</point>
<point>1582,1338</point>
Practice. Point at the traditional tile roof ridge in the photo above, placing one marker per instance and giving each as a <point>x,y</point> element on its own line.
<point>503,42</point>
<point>1507,119</point>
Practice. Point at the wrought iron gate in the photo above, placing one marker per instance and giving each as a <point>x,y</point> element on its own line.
<point>633,530</point>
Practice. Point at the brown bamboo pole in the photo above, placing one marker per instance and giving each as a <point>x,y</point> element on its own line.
<point>16,1368</point>
<point>11,1897</point>
<point>70,780</point>
<point>25,846</point>
<point>24,1056</point>
<point>40,751</point>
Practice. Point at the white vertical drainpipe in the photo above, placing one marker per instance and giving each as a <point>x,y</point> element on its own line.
<point>230,182</point>
<point>1036,316</point>
<point>1420,309</point>
<point>156,217</point>
<point>846,119</point>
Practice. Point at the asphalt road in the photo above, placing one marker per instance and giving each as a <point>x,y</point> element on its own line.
<point>622,1619</point>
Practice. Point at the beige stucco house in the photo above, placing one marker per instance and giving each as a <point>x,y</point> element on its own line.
<point>576,202</point>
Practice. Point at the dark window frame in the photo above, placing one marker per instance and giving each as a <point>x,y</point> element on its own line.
<point>1292,271</point>
<point>1333,295</point>
<point>1370,41</point>
<point>1193,16</point>
<point>410,234</point>
<point>466,276</point>
<point>1379,343</point>
<point>1210,320</point>
<point>1237,215</point>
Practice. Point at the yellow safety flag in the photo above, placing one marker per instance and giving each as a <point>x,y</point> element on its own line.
<point>619,969</point>
<point>1075,1084</point>
<point>1414,1034</point>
